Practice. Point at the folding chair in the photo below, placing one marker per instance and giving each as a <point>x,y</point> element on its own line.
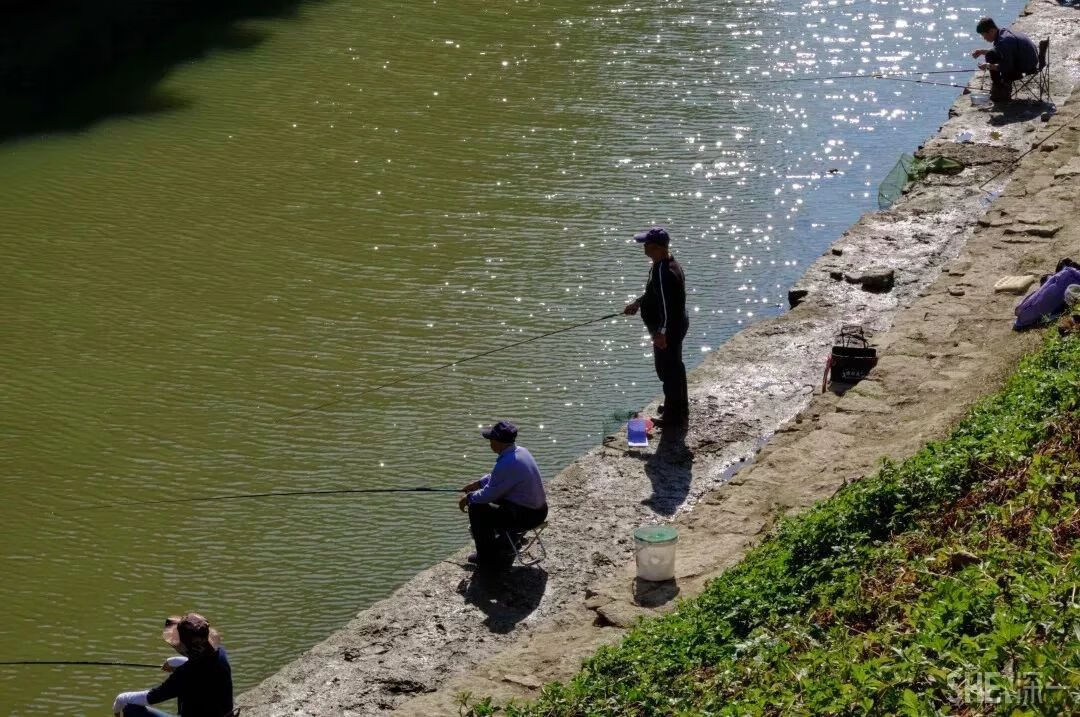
<point>1037,85</point>
<point>531,550</point>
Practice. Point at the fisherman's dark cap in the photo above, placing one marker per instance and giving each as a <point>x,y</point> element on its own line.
<point>653,235</point>
<point>503,431</point>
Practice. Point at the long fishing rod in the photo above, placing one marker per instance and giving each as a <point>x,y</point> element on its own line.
<point>411,376</point>
<point>271,494</point>
<point>877,75</point>
<point>78,662</point>
<point>922,82</point>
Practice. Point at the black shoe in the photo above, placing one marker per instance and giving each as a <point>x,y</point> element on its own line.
<point>671,422</point>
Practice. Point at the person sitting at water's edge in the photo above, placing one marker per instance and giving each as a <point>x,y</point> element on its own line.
<point>506,502</point>
<point>1014,55</point>
<point>663,309</point>
<point>201,679</point>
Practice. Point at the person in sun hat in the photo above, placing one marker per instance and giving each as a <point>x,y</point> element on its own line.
<point>506,502</point>
<point>201,679</point>
<point>663,309</point>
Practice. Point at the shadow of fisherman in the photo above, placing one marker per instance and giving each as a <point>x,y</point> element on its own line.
<point>201,679</point>
<point>505,503</point>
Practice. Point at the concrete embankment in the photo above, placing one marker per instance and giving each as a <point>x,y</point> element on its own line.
<point>944,339</point>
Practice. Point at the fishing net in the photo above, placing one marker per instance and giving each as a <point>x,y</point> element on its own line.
<point>895,181</point>
<point>909,169</point>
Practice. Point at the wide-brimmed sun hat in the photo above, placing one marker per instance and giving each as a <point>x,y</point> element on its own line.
<point>191,630</point>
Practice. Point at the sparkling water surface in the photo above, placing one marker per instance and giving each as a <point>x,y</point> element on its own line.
<point>370,191</point>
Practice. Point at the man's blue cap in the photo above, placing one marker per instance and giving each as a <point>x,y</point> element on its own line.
<point>503,431</point>
<point>653,235</point>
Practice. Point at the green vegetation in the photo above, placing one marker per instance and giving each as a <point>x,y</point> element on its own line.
<point>946,584</point>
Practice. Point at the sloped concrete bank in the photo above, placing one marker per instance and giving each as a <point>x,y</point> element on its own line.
<point>447,630</point>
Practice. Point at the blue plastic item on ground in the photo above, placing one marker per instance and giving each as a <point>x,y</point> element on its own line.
<point>636,435</point>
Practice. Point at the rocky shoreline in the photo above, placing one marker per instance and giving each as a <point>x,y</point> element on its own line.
<point>448,631</point>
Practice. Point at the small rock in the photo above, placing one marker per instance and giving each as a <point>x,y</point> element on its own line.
<point>1030,218</point>
<point>1048,146</point>
<point>1069,169</point>
<point>530,681</point>
<point>960,268</point>
<point>796,295</point>
<point>878,279</point>
<point>956,291</point>
<point>1036,230</point>
<point>836,274</point>
<point>962,558</point>
<point>837,250</point>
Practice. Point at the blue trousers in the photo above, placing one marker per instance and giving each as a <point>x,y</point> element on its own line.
<point>140,711</point>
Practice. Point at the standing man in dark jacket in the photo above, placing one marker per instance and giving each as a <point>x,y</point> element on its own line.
<point>663,309</point>
<point>1014,55</point>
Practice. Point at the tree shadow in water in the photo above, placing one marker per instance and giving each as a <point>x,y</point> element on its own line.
<point>65,66</point>
<point>506,597</point>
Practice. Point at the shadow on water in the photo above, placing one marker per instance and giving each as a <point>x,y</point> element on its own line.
<point>65,65</point>
<point>507,597</point>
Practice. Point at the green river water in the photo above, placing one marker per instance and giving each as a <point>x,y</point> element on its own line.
<point>369,190</point>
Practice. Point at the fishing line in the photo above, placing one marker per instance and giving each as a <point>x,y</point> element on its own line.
<point>272,494</point>
<point>411,376</point>
<point>77,662</point>
<point>1031,149</point>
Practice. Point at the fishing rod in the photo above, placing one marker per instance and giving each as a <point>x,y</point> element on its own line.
<point>878,75</point>
<point>923,82</point>
<point>271,494</point>
<point>78,662</point>
<point>894,78</point>
<point>411,376</point>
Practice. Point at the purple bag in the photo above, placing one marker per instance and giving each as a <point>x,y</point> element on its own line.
<point>1047,300</point>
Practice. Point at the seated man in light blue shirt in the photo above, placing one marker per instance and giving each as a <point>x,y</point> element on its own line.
<point>506,502</point>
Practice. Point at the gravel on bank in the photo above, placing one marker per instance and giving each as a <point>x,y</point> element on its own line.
<point>447,630</point>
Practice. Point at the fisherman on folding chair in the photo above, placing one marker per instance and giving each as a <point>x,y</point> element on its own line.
<point>1014,56</point>
<point>505,504</point>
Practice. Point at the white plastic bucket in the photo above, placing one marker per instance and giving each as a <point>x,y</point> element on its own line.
<point>654,550</point>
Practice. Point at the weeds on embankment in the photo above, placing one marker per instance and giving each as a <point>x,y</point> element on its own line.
<point>946,584</point>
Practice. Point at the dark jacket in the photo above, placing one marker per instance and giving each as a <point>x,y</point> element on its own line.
<point>201,686</point>
<point>1016,52</point>
<point>663,305</point>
